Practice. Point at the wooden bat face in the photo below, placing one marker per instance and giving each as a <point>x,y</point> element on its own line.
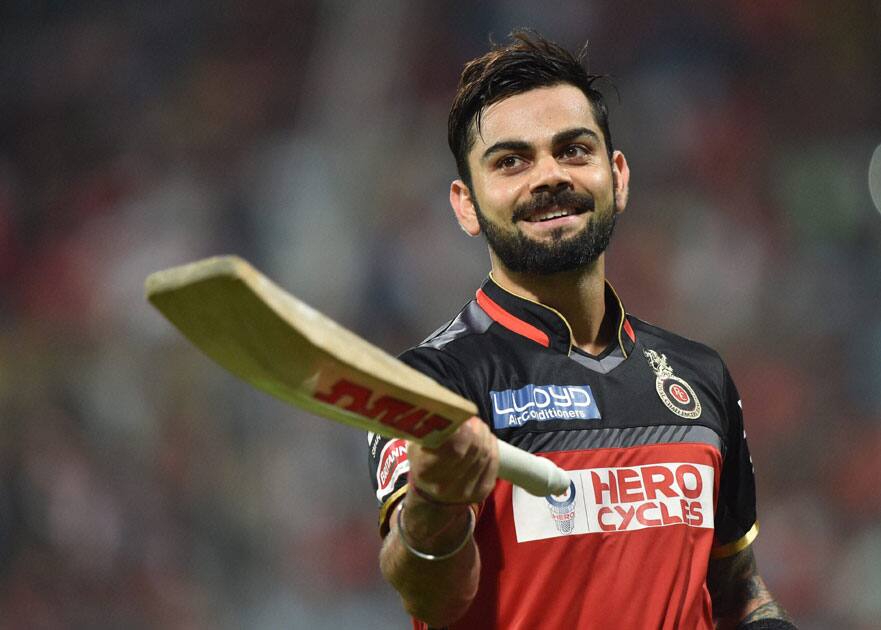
<point>273,341</point>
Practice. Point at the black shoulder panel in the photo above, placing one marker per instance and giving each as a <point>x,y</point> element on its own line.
<point>471,320</point>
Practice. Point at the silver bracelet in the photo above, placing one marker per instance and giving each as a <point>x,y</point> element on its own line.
<point>431,556</point>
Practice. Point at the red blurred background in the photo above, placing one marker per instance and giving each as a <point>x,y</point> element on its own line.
<point>142,487</point>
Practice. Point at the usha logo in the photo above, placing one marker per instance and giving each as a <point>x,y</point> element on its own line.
<point>515,407</point>
<point>388,410</point>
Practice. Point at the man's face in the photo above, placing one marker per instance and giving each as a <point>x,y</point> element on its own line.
<point>544,191</point>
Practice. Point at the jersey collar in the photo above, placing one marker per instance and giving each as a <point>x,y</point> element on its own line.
<point>542,324</point>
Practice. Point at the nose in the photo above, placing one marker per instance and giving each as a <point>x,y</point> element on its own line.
<point>550,176</point>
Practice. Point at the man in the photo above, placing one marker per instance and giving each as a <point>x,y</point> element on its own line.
<point>655,530</point>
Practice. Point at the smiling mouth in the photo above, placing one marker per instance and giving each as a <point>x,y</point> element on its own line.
<point>544,207</point>
<point>552,213</point>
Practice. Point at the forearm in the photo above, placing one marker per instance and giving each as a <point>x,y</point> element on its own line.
<point>739,594</point>
<point>758,604</point>
<point>435,591</point>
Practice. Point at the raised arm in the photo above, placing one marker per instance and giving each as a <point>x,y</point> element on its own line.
<point>740,597</point>
<point>429,554</point>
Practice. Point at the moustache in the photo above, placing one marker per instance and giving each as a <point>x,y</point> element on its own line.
<point>568,199</point>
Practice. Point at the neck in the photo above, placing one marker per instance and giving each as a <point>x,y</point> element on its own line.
<point>579,295</point>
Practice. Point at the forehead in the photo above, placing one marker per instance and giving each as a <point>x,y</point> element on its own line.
<point>535,116</point>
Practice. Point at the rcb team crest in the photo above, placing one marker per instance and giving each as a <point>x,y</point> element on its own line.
<point>674,392</point>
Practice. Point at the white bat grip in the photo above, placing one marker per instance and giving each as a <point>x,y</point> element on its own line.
<point>536,475</point>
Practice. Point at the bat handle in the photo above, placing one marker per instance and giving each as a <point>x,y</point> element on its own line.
<point>537,475</point>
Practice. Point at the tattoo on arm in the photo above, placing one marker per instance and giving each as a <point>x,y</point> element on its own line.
<point>729,583</point>
<point>739,594</point>
<point>769,610</point>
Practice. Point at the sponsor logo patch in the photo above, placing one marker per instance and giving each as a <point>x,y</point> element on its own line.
<point>610,500</point>
<point>515,407</point>
<point>384,409</point>
<point>392,464</point>
<point>562,508</point>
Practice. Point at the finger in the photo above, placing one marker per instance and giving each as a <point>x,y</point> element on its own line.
<point>450,455</point>
<point>477,475</point>
<point>483,479</point>
<point>477,458</point>
<point>463,469</point>
<point>489,476</point>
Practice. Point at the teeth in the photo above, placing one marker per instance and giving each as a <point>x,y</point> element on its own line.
<point>550,215</point>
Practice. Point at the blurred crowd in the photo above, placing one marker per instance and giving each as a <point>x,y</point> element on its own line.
<point>142,487</point>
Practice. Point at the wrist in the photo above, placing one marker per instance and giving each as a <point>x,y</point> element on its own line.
<point>433,522</point>
<point>425,496</point>
<point>442,543</point>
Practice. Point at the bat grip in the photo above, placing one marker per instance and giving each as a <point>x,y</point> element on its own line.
<point>537,475</point>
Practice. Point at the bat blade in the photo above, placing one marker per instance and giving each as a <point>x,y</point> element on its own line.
<point>277,343</point>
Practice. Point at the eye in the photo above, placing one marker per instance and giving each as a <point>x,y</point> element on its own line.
<point>575,152</point>
<point>509,162</point>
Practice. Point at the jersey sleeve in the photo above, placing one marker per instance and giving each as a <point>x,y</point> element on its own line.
<point>736,524</point>
<point>387,457</point>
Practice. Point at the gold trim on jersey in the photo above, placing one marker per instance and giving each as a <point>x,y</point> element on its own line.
<point>550,308</point>
<point>621,319</point>
<point>738,545</point>
<point>388,504</point>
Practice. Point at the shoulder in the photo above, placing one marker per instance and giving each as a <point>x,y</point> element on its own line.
<point>703,369</point>
<point>471,321</point>
<point>451,354</point>
<point>457,341</point>
<point>694,354</point>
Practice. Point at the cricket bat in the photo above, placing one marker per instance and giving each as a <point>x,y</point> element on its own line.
<point>275,342</point>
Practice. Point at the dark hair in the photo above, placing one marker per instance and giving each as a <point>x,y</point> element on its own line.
<point>529,61</point>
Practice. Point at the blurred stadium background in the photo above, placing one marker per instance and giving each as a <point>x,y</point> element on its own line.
<point>141,487</point>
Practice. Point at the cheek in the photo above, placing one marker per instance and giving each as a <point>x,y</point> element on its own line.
<point>499,195</point>
<point>508,192</point>
<point>600,184</point>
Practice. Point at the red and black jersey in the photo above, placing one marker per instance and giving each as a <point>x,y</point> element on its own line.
<point>652,435</point>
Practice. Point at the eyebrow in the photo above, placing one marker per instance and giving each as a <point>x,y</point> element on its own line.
<point>559,138</point>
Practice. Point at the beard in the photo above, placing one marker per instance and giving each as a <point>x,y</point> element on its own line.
<point>522,254</point>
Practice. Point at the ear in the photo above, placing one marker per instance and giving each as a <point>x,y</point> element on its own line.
<point>463,207</point>
<point>621,180</point>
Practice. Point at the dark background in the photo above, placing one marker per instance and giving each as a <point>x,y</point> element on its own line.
<point>142,487</point>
